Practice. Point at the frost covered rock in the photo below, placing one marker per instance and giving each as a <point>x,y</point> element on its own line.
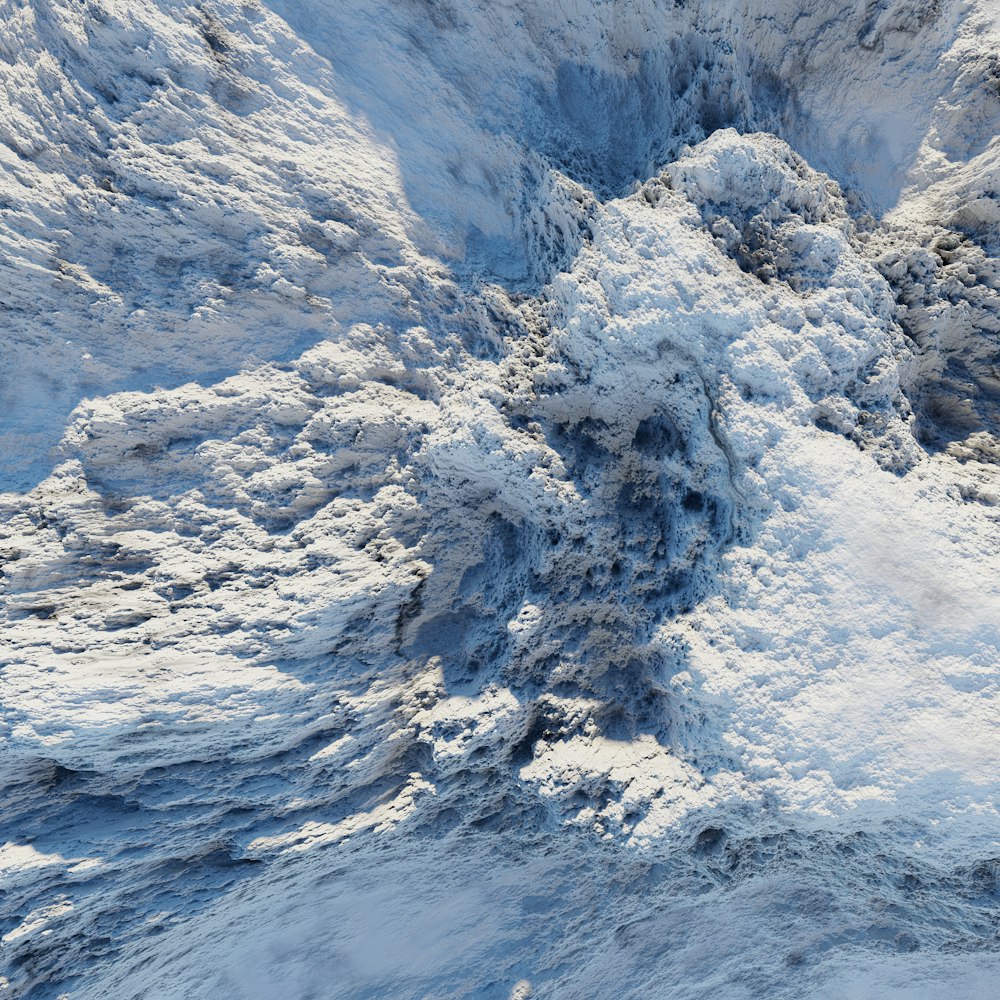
<point>498,499</point>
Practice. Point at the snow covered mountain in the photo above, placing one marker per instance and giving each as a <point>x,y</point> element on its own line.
<point>500,499</point>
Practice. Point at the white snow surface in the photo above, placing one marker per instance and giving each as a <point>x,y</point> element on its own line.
<point>500,499</point>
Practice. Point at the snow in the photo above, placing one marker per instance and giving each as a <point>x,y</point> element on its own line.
<point>499,499</point>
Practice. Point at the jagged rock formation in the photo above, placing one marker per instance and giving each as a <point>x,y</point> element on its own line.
<point>499,501</point>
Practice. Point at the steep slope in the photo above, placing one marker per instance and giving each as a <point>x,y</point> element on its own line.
<point>499,500</point>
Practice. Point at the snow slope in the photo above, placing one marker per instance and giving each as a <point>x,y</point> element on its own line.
<point>500,499</point>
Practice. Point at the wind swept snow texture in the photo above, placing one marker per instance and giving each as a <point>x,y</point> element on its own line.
<point>500,499</point>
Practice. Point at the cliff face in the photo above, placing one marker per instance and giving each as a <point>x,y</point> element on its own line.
<point>499,499</point>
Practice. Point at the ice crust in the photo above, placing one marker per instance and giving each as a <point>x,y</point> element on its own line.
<point>500,499</point>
